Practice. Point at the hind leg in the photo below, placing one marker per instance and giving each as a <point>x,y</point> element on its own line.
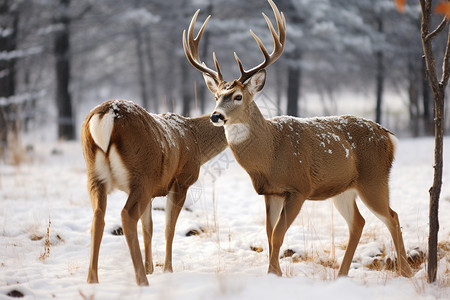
<point>98,200</point>
<point>147,233</point>
<point>136,204</point>
<point>376,197</point>
<point>346,205</point>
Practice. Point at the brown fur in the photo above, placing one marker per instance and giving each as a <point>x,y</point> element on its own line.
<point>159,159</point>
<point>291,160</point>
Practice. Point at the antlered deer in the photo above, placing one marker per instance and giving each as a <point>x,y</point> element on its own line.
<point>146,156</point>
<point>291,160</point>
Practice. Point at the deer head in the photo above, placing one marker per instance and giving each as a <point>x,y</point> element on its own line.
<point>233,97</point>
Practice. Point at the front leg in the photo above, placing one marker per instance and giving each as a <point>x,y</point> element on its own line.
<point>147,232</point>
<point>292,205</point>
<point>174,204</point>
<point>274,204</point>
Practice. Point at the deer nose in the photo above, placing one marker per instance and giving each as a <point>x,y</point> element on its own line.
<point>215,117</point>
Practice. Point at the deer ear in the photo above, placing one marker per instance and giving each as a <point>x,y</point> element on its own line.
<point>256,82</point>
<point>211,83</point>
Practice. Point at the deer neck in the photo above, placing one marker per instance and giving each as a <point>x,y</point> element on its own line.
<point>209,138</point>
<point>251,139</point>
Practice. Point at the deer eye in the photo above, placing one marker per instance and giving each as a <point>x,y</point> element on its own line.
<point>238,97</point>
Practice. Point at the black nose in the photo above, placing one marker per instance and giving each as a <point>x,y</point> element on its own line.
<point>215,117</point>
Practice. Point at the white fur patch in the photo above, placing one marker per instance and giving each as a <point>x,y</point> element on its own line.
<point>237,133</point>
<point>119,171</point>
<point>344,204</point>
<point>218,123</point>
<point>276,204</point>
<point>101,129</point>
<point>394,141</point>
<point>102,170</point>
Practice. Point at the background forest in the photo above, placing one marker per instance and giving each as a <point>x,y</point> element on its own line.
<point>60,58</point>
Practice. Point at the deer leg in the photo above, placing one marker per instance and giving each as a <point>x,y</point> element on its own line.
<point>98,200</point>
<point>376,197</point>
<point>147,232</point>
<point>136,204</point>
<point>175,202</point>
<point>346,205</point>
<point>290,210</point>
<point>273,209</point>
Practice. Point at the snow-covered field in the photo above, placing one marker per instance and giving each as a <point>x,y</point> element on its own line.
<point>221,262</point>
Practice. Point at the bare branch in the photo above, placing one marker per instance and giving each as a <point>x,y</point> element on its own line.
<point>446,64</point>
<point>427,47</point>
<point>438,30</point>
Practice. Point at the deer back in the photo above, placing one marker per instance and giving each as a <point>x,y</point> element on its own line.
<point>127,148</point>
<point>317,157</point>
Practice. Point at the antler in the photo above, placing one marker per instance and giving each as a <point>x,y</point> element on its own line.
<point>191,50</point>
<point>278,41</point>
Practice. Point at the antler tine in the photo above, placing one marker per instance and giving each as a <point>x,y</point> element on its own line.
<point>216,64</point>
<point>278,40</point>
<point>191,49</point>
<point>281,22</point>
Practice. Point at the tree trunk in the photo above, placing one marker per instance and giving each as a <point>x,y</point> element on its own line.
<point>66,121</point>
<point>9,20</point>
<point>141,67</point>
<point>435,189</point>
<point>293,86</point>
<point>413,95</point>
<point>438,88</point>
<point>279,88</point>
<point>152,73</point>
<point>185,87</point>
<point>427,102</point>
<point>379,76</point>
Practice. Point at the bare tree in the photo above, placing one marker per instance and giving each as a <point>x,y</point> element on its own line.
<point>9,15</point>
<point>66,122</point>
<point>438,88</point>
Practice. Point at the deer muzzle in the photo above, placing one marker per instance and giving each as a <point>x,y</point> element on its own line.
<point>217,119</point>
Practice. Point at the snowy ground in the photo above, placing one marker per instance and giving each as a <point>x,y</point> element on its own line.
<point>219,263</point>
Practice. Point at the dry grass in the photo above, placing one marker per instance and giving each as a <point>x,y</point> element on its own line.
<point>46,252</point>
<point>257,249</point>
<point>15,151</point>
<point>327,262</point>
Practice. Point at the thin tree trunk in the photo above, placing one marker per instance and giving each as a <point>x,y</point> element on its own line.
<point>427,102</point>
<point>66,122</point>
<point>279,89</point>
<point>293,86</point>
<point>186,87</point>
<point>152,72</point>
<point>141,67</point>
<point>379,76</point>
<point>438,88</point>
<point>413,95</point>
<point>9,19</point>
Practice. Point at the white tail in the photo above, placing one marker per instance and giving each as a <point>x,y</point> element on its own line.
<point>146,156</point>
<point>291,160</point>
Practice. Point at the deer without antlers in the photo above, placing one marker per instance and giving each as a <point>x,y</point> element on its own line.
<point>146,156</point>
<point>291,159</point>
